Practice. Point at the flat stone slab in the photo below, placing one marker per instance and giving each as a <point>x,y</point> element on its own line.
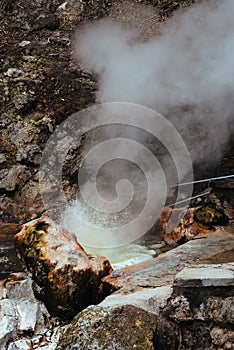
<point>162,270</point>
<point>214,275</point>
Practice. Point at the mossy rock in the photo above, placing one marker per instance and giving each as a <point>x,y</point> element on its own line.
<point>209,215</point>
<point>124,327</point>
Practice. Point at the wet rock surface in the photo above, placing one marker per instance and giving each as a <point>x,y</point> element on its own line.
<point>69,279</point>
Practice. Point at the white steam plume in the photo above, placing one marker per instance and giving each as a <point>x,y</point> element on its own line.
<point>186,73</point>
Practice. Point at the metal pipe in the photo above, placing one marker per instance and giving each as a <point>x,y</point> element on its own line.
<point>204,180</point>
<point>188,199</point>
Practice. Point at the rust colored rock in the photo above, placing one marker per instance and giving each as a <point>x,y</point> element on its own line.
<point>69,278</point>
<point>177,226</point>
<point>180,225</point>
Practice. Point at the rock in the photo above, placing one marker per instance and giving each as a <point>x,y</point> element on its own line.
<point>148,299</point>
<point>150,287</point>
<point>46,21</point>
<point>8,230</point>
<point>222,337</point>
<point>8,325</point>
<point>200,312</point>
<point>20,312</point>
<point>24,43</point>
<point>69,278</point>
<point>123,327</point>
<point>20,101</point>
<point>206,276</point>
<point>23,344</point>
<point>2,158</point>
<point>162,270</point>
<point>14,178</point>
<point>29,154</point>
<point>180,225</point>
<point>13,72</point>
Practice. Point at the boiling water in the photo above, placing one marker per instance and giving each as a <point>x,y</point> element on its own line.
<point>84,224</point>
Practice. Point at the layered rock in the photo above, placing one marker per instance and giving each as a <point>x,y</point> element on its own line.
<point>24,319</point>
<point>200,313</point>
<point>161,304</point>
<point>68,277</point>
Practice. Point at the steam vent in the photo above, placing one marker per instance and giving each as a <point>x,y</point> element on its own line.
<point>116,175</point>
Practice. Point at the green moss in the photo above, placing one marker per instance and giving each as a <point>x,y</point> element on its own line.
<point>125,327</point>
<point>209,215</point>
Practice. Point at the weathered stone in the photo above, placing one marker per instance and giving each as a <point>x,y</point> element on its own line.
<point>123,327</point>
<point>221,336</point>
<point>200,313</point>
<point>14,178</point>
<point>148,299</point>
<point>8,230</point>
<point>13,72</point>
<point>70,279</point>
<point>29,154</point>
<point>162,270</point>
<point>2,158</point>
<point>216,275</point>
<point>20,312</point>
<point>20,101</point>
<point>216,309</point>
<point>8,325</point>
<point>180,225</point>
<point>23,344</point>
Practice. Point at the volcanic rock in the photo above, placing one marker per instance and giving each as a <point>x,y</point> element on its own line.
<point>200,312</point>
<point>20,312</point>
<point>147,293</point>
<point>121,327</point>
<point>69,278</point>
<point>181,225</point>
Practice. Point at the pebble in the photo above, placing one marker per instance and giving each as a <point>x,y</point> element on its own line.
<point>62,6</point>
<point>24,43</point>
<point>20,101</point>
<point>13,72</point>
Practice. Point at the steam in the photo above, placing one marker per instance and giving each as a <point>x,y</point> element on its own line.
<point>186,73</point>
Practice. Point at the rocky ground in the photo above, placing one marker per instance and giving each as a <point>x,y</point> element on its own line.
<point>180,300</point>
<point>41,84</point>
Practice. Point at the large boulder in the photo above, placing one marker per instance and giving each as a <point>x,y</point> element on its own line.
<point>68,277</point>
<point>122,327</point>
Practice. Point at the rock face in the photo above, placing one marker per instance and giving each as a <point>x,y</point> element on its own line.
<point>69,278</point>
<point>24,320</point>
<point>200,313</point>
